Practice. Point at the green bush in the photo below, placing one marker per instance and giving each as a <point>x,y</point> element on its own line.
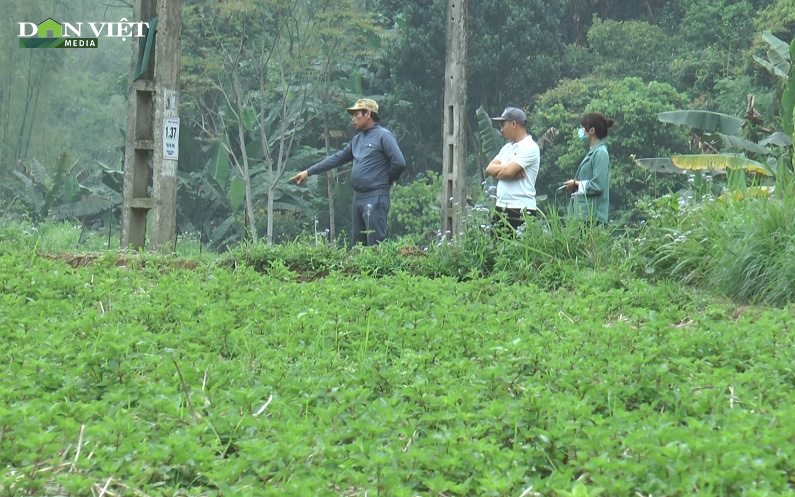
<point>415,209</point>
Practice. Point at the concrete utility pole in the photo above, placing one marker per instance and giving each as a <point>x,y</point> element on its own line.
<point>153,128</point>
<point>454,138</point>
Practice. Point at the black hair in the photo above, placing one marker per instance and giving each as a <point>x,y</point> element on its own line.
<point>374,115</point>
<point>598,122</point>
<point>523,124</point>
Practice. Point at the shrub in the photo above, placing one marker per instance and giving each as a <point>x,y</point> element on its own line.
<point>415,208</point>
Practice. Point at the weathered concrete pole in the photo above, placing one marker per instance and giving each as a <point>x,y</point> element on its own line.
<point>454,138</point>
<point>152,146</point>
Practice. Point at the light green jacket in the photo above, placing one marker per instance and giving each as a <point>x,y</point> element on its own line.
<point>592,200</point>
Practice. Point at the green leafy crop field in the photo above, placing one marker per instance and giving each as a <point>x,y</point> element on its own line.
<point>152,379</point>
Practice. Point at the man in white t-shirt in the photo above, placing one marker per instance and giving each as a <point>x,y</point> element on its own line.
<point>516,169</point>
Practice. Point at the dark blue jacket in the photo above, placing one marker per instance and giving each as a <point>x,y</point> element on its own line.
<point>377,160</point>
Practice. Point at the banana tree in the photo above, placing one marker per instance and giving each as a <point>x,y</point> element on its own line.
<point>40,189</point>
<point>68,191</point>
<point>89,193</point>
<point>729,145</point>
<point>779,64</point>
<point>212,200</point>
<point>738,145</point>
<point>288,196</point>
<point>213,196</point>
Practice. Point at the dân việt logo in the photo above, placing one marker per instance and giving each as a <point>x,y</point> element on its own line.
<point>53,34</point>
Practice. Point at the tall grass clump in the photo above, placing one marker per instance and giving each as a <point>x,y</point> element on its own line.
<point>757,258</point>
<point>550,250</point>
<point>740,245</point>
<point>547,250</point>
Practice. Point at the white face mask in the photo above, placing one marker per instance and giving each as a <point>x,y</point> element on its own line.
<point>582,135</point>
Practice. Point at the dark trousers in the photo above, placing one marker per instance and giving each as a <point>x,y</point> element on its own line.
<point>368,218</point>
<point>506,220</point>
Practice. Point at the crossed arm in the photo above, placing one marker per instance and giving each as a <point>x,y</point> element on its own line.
<point>501,171</point>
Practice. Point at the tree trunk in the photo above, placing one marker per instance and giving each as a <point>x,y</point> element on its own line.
<point>266,151</point>
<point>270,213</point>
<point>28,98</point>
<point>5,108</point>
<point>330,183</point>
<point>32,117</point>
<point>242,136</point>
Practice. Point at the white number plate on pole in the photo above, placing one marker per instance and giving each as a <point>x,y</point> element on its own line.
<point>171,138</point>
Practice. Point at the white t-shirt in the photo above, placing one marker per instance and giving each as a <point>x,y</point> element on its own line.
<point>519,193</point>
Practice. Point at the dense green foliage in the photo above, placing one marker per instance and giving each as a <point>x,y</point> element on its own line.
<point>416,207</point>
<point>301,63</point>
<point>56,101</point>
<point>651,356</point>
<point>634,105</point>
<point>218,381</point>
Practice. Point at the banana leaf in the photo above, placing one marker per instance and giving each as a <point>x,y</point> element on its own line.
<point>788,100</point>
<point>56,189</point>
<point>32,197</point>
<point>548,138</point>
<point>87,207</point>
<point>255,151</point>
<point>71,189</point>
<point>112,177</point>
<point>490,138</point>
<point>106,192</point>
<point>237,193</point>
<point>294,204</point>
<point>249,118</point>
<point>659,165</point>
<point>778,61</point>
<point>777,139</point>
<point>212,191</point>
<point>703,119</point>
<point>741,144</point>
<point>185,226</point>
<point>220,234</point>
<point>218,166</point>
<point>305,157</point>
<point>779,48</point>
<point>771,67</point>
<point>82,174</point>
<point>39,173</point>
<point>707,162</point>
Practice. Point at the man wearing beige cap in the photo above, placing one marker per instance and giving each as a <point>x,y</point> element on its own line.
<point>377,163</point>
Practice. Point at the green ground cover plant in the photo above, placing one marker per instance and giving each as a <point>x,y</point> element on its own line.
<point>153,379</point>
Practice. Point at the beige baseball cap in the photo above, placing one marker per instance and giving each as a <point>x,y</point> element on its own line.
<point>364,104</point>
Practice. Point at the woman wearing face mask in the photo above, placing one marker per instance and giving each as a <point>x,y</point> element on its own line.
<point>590,187</point>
